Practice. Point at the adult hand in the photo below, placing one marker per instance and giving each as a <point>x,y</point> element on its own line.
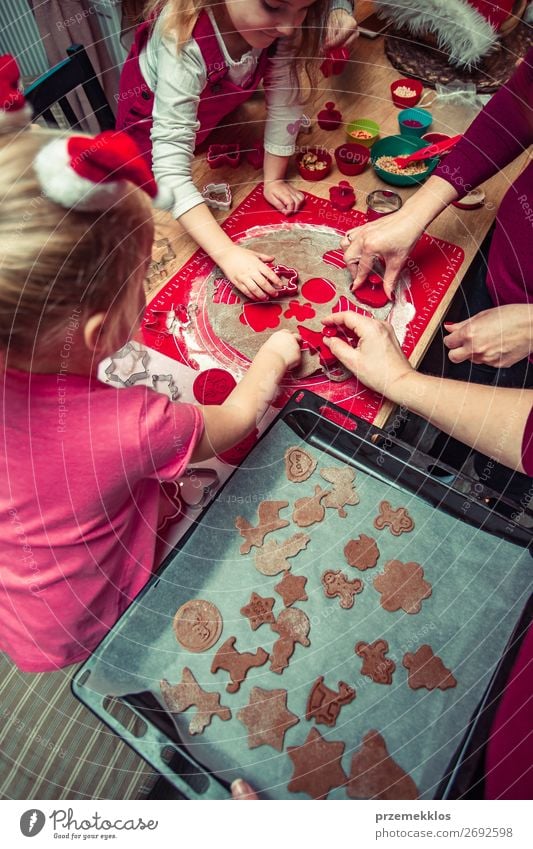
<point>247,271</point>
<point>241,790</point>
<point>341,30</point>
<point>286,344</point>
<point>378,360</point>
<point>499,337</point>
<point>391,238</point>
<point>283,196</point>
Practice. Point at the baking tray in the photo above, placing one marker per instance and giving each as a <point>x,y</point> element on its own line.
<point>475,558</point>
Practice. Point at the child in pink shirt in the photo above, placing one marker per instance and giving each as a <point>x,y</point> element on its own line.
<point>82,462</point>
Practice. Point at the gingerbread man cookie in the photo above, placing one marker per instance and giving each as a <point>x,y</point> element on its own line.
<point>402,586</point>
<point>293,626</point>
<point>427,670</point>
<point>343,489</point>
<point>236,663</point>
<point>259,611</point>
<point>378,667</point>
<point>324,704</point>
<point>273,557</point>
<point>292,588</point>
<point>188,693</point>
<point>362,553</point>
<point>267,718</point>
<point>299,465</point>
<point>309,511</point>
<point>269,520</point>
<point>399,521</point>
<point>375,775</point>
<point>337,584</point>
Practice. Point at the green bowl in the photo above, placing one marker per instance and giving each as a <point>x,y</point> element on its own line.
<point>401,146</point>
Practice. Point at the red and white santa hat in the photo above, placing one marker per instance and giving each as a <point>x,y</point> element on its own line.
<point>15,113</point>
<point>86,173</point>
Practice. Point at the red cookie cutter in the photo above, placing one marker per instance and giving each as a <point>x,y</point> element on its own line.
<point>223,154</point>
<point>372,292</point>
<point>255,155</point>
<point>288,274</point>
<point>342,196</point>
<point>167,322</point>
<point>335,61</point>
<point>335,258</point>
<point>329,118</point>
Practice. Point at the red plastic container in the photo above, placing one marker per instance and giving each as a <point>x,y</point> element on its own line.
<point>352,158</point>
<point>335,61</point>
<point>400,101</point>
<point>311,174</point>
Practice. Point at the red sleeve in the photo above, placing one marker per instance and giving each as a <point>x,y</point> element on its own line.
<point>527,446</point>
<point>502,131</point>
<point>169,432</point>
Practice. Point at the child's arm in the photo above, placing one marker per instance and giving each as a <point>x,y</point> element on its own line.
<point>229,423</point>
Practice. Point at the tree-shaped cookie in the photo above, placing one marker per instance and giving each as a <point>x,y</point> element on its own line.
<point>274,556</point>
<point>427,670</point>
<point>269,520</point>
<point>188,693</point>
<point>375,775</point>
<point>402,586</point>
<point>267,718</point>
<point>343,489</point>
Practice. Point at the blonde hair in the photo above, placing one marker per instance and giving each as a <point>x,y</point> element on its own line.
<point>55,261</point>
<point>183,14</point>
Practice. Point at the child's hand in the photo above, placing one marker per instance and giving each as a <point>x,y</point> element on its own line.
<point>284,343</point>
<point>247,271</point>
<point>283,196</point>
<point>341,30</point>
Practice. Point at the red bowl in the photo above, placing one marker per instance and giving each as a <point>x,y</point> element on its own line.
<point>352,158</point>
<point>400,101</point>
<point>310,174</point>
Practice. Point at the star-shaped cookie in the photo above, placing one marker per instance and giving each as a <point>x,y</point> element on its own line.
<point>267,718</point>
<point>292,588</point>
<point>317,766</point>
<point>259,611</point>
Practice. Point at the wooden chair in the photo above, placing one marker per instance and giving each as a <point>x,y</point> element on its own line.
<point>53,87</point>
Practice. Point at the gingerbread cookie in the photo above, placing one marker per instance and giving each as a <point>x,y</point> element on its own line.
<point>375,775</point>
<point>337,584</point>
<point>399,521</point>
<point>299,465</point>
<point>309,511</point>
<point>343,489</point>
<point>274,556</point>
<point>293,626</point>
<point>427,670</point>
<point>188,693</point>
<point>267,718</point>
<point>268,521</point>
<point>317,766</point>
<point>292,588</point>
<point>402,586</point>
<point>236,663</point>
<point>324,704</point>
<point>375,665</point>
<point>259,611</point>
<point>362,553</point>
<point>197,625</point>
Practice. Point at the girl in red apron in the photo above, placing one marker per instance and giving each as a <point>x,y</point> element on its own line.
<point>192,63</point>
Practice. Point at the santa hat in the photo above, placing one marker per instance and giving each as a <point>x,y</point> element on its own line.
<point>91,174</point>
<point>15,113</point>
<point>464,29</point>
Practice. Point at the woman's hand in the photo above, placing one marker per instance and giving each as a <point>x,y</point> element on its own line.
<point>286,344</point>
<point>499,337</point>
<point>341,30</point>
<point>378,360</point>
<point>247,271</point>
<point>283,196</point>
<point>241,790</point>
<point>391,238</point>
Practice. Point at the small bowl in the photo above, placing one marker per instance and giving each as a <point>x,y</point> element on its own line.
<point>410,100</point>
<point>401,146</point>
<point>310,174</point>
<point>351,158</point>
<point>434,138</point>
<point>414,122</point>
<point>366,126</point>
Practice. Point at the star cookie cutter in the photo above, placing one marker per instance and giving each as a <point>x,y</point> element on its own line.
<point>217,195</point>
<point>119,371</point>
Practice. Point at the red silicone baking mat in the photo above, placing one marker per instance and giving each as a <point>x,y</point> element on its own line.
<point>190,339</point>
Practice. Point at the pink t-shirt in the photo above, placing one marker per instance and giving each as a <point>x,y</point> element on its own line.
<point>80,467</point>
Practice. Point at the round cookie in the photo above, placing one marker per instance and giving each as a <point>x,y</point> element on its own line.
<point>197,625</point>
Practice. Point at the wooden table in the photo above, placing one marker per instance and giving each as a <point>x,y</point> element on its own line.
<point>361,91</point>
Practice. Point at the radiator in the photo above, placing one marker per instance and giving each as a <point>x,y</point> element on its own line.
<point>19,35</point>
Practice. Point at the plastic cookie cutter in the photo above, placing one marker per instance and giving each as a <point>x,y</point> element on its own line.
<point>173,391</point>
<point>335,61</point>
<point>329,118</point>
<point>128,365</point>
<point>342,197</point>
<point>169,322</point>
<point>217,195</point>
<point>223,154</point>
<point>288,274</point>
<point>255,155</point>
